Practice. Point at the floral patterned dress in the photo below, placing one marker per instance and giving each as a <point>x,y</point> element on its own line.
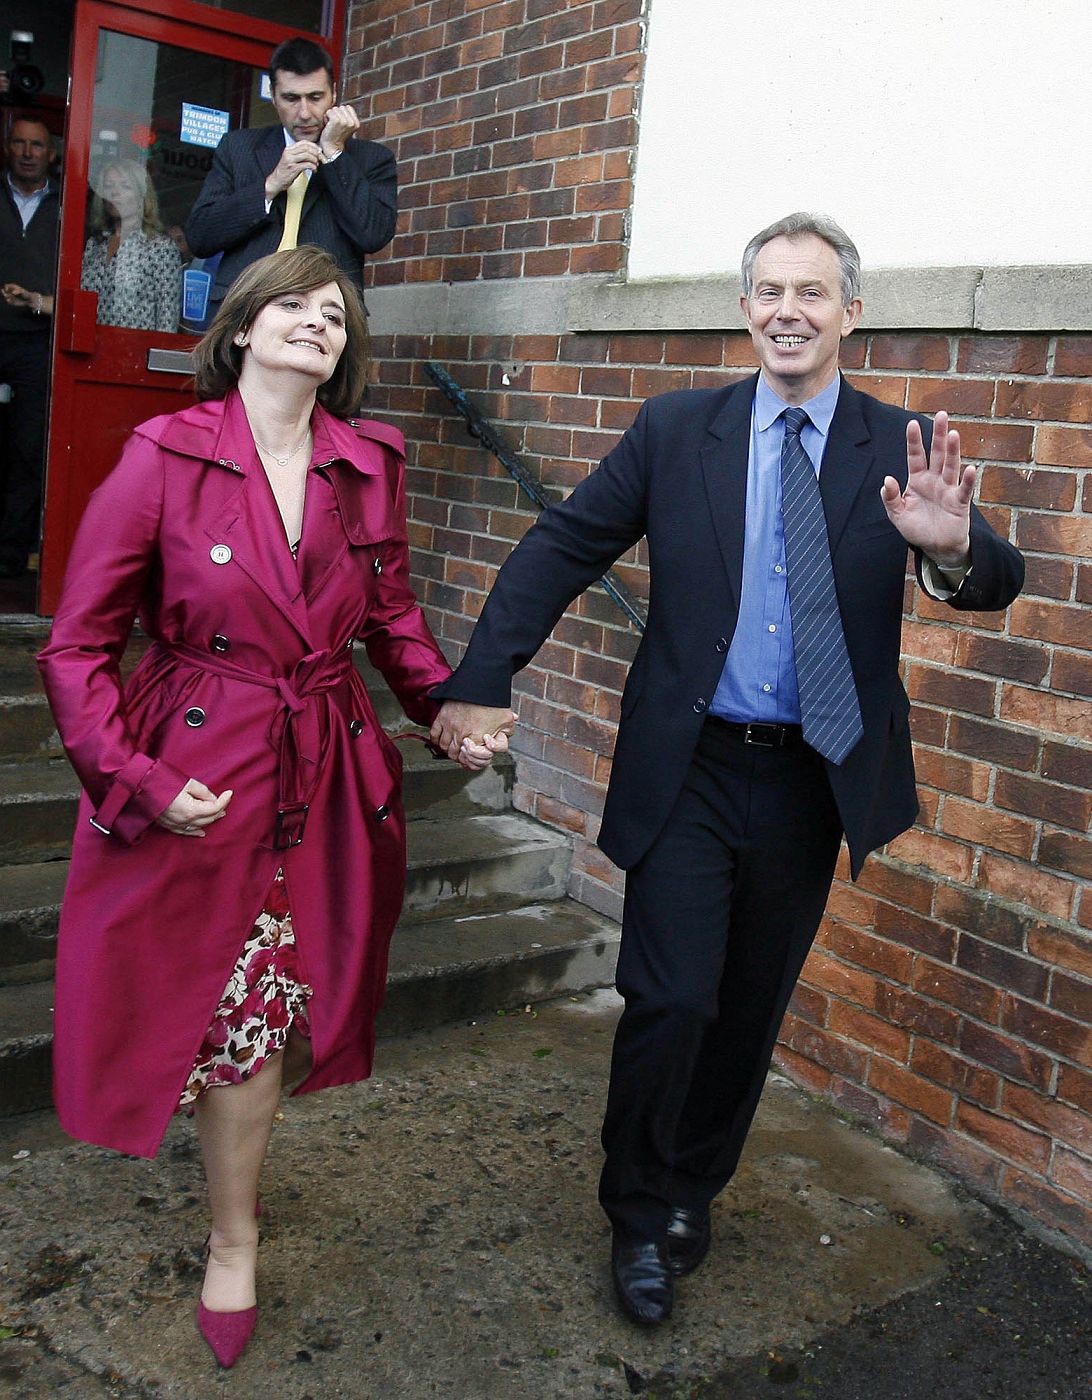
<point>265,998</point>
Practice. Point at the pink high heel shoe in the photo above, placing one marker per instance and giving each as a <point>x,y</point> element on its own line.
<point>227,1333</point>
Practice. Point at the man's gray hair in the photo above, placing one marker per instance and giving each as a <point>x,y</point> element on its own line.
<point>796,226</point>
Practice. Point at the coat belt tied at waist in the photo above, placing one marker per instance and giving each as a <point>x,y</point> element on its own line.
<point>300,729</point>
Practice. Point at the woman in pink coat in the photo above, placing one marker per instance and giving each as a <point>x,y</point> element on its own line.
<point>239,858</point>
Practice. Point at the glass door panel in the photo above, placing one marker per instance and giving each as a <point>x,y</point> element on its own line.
<point>150,100</point>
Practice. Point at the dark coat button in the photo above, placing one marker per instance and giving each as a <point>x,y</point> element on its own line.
<point>700,706</point>
<point>356,728</point>
<point>220,643</point>
<point>195,717</point>
<point>377,565</point>
<point>722,643</point>
<point>382,813</point>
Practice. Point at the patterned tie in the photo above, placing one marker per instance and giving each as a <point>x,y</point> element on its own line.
<point>829,710</point>
<point>292,210</point>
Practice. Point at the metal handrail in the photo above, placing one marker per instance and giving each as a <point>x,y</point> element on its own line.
<point>487,434</point>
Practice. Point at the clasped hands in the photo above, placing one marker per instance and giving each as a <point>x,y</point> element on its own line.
<point>933,514</point>
<point>472,734</point>
<point>339,125</point>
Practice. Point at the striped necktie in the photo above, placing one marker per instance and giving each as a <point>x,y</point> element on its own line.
<point>829,710</point>
<point>292,210</point>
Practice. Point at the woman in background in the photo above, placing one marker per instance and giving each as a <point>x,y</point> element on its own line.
<point>129,260</point>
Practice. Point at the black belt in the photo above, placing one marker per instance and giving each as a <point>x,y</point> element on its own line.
<point>762,736</point>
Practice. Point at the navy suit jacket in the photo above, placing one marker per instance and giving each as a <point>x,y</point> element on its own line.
<point>679,478</point>
<point>349,209</point>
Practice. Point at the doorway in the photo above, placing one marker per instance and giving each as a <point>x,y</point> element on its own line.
<point>152,85</point>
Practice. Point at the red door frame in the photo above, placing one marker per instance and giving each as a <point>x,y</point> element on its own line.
<point>184,24</point>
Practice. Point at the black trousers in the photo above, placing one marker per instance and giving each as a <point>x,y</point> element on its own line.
<point>24,364</point>
<point>718,919</point>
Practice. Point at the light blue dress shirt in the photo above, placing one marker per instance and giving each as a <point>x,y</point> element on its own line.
<point>758,681</point>
<point>27,204</point>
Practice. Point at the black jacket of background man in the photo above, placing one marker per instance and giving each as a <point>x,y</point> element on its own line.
<point>28,257</point>
<point>349,209</point>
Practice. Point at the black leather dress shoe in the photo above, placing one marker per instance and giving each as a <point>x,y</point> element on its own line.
<point>642,1281</point>
<point>688,1239</point>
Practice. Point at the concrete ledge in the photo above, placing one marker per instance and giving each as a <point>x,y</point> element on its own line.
<point>943,298</point>
<point>1035,299</point>
<point>523,306</point>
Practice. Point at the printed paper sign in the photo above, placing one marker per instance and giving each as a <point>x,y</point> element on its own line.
<point>202,126</point>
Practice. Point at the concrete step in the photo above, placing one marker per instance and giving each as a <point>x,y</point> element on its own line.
<point>477,864</point>
<point>30,901</point>
<point>38,799</point>
<point>26,727</point>
<point>37,810</point>
<point>21,635</point>
<point>448,970</point>
<point>483,863</point>
<point>26,1037</point>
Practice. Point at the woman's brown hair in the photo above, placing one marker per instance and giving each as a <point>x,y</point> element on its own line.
<point>217,360</point>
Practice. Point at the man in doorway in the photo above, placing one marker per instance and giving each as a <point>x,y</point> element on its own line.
<point>29,215</point>
<point>304,181</point>
<point>763,717</point>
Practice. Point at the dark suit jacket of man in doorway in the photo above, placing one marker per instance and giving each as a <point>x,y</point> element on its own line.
<point>29,220</point>
<point>350,205</point>
<point>726,820</point>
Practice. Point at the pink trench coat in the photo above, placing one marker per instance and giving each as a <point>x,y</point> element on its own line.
<point>248,685</point>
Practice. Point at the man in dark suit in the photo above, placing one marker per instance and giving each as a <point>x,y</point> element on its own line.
<point>305,181</point>
<point>763,716</point>
<point>29,220</point>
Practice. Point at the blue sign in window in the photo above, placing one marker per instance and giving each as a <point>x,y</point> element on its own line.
<point>203,126</point>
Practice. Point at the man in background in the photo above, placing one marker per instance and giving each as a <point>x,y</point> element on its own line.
<point>304,181</point>
<point>29,217</point>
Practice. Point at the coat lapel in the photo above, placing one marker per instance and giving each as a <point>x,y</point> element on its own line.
<point>350,497</point>
<point>724,469</point>
<point>847,462</point>
<point>267,150</point>
<point>250,524</point>
<point>348,501</point>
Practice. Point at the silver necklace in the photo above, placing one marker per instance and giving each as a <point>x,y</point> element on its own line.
<point>283,461</point>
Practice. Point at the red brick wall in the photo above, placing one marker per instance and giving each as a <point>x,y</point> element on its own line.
<point>948,999</point>
<point>513,123</point>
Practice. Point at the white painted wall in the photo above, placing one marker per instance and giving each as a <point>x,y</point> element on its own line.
<point>939,133</point>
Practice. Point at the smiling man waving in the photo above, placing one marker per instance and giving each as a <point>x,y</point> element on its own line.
<point>763,717</point>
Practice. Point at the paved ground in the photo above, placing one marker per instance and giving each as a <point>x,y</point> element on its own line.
<point>435,1233</point>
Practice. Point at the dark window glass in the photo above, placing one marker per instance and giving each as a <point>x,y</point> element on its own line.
<point>305,16</point>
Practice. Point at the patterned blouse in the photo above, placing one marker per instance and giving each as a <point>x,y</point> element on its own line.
<point>140,287</point>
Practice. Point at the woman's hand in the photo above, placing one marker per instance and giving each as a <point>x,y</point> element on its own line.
<point>475,757</point>
<point>194,808</point>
